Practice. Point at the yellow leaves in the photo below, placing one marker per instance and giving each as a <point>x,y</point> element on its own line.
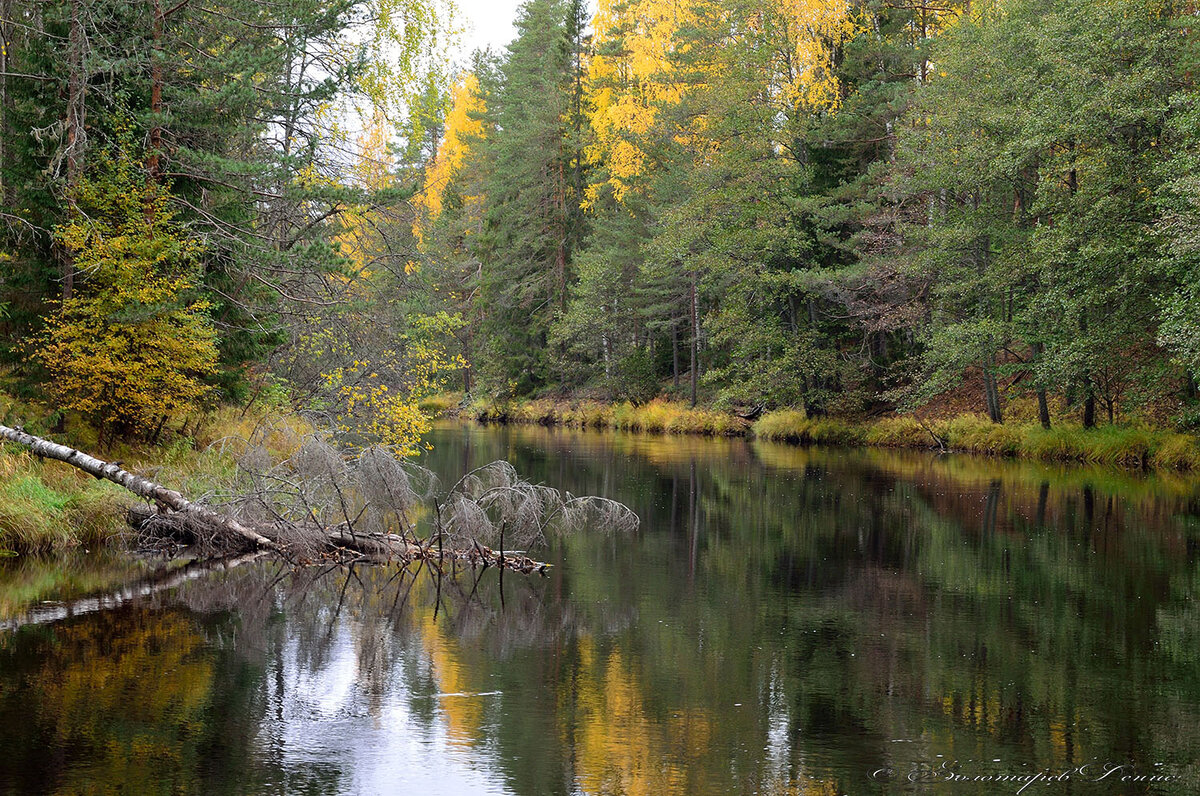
<point>128,349</point>
<point>817,27</point>
<point>374,164</point>
<point>379,397</point>
<point>372,170</point>
<point>634,74</point>
<point>309,178</point>
<point>463,123</point>
<point>626,87</point>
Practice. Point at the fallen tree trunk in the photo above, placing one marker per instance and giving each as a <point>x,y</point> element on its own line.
<point>142,487</point>
<point>176,517</point>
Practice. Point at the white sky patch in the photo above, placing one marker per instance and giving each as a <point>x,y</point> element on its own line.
<point>487,23</point>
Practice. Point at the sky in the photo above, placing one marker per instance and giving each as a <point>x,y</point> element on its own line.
<point>487,23</point>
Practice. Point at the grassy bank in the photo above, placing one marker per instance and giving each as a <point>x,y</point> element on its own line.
<point>1120,446</point>
<point>656,417</point>
<point>48,505</point>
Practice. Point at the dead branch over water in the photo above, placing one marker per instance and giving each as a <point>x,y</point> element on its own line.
<point>321,504</point>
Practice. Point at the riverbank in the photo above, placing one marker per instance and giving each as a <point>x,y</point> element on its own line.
<point>1118,446</point>
<point>47,505</point>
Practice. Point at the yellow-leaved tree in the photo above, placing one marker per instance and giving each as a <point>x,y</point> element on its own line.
<point>463,124</point>
<point>630,78</point>
<point>378,353</point>
<point>130,348</point>
<point>816,28</point>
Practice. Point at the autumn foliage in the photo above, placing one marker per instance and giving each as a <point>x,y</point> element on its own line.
<point>129,350</point>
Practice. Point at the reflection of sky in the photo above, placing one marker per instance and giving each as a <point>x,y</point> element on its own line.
<point>323,722</point>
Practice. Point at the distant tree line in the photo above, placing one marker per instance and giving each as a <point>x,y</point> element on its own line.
<point>840,206</point>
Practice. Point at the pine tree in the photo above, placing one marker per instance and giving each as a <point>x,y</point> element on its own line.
<point>525,247</point>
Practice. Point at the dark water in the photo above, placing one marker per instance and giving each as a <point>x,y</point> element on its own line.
<point>786,621</point>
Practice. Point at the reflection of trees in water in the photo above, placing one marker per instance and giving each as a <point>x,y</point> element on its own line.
<point>134,700</point>
<point>1018,610</point>
<point>412,639</point>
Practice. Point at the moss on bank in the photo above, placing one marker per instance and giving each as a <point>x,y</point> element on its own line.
<point>1121,446</point>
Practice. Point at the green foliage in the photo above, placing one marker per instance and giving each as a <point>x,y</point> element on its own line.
<point>532,221</point>
<point>636,381</point>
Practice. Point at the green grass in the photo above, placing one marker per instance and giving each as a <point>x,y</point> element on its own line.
<point>46,505</point>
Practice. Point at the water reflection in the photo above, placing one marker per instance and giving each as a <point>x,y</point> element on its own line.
<point>786,621</point>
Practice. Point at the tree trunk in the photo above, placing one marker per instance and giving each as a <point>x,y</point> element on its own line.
<point>695,337</point>
<point>1043,409</point>
<point>6,47</point>
<point>142,487</point>
<point>75,131</point>
<point>675,355</point>
<point>1089,405</point>
<point>156,85</point>
<point>991,393</point>
<point>176,513</point>
<point>1043,404</point>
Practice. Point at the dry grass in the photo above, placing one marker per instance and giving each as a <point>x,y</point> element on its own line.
<point>1119,446</point>
<point>440,404</point>
<point>655,417</point>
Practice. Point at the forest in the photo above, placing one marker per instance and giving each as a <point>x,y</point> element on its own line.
<point>844,208</point>
<point>250,250</point>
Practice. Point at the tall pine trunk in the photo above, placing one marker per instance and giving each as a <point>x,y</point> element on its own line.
<point>75,130</point>
<point>1089,404</point>
<point>153,157</point>
<point>675,355</point>
<point>1043,404</point>
<point>695,311</point>
<point>991,392</point>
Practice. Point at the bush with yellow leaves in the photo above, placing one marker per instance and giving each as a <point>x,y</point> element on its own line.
<point>129,350</point>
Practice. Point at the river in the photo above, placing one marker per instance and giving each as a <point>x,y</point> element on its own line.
<point>785,621</point>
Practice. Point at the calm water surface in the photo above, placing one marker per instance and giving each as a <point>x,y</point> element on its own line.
<point>786,621</point>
